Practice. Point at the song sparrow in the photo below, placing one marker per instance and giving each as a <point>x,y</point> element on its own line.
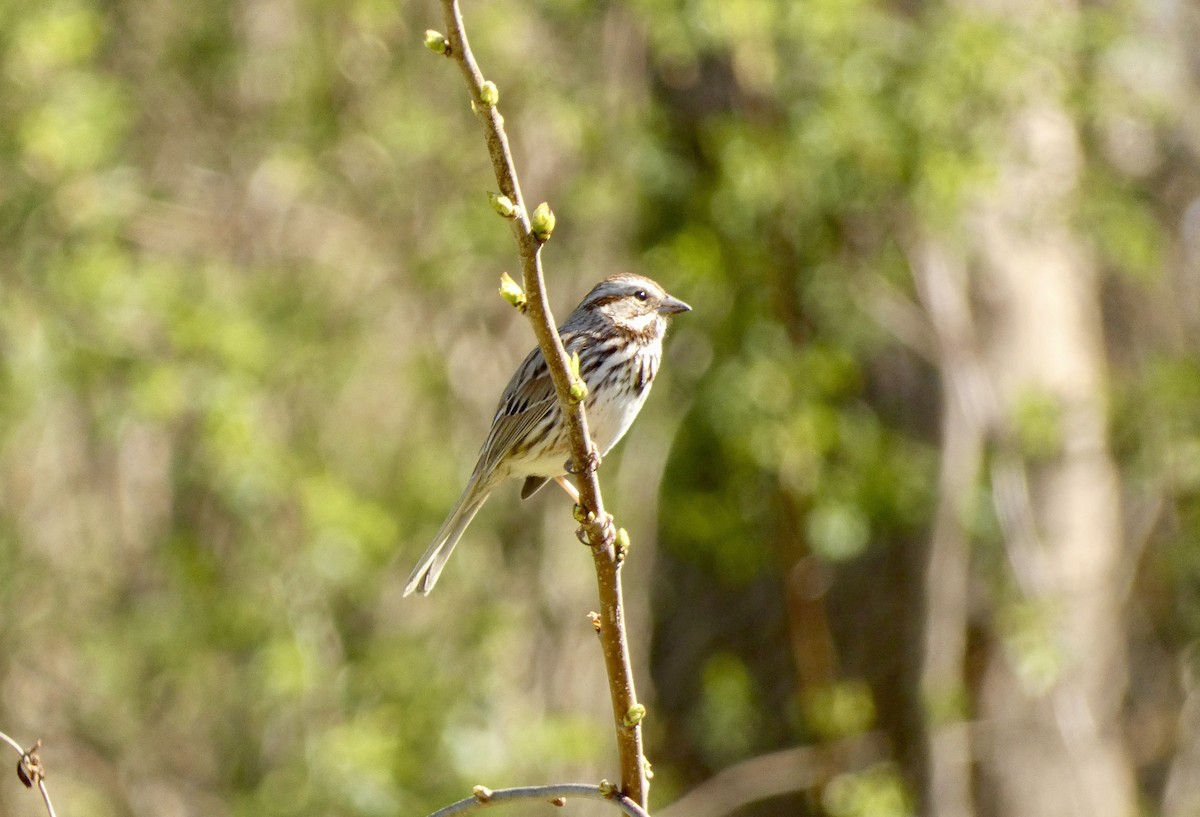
<point>618,331</point>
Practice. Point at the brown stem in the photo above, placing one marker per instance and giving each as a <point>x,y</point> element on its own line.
<point>557,794</point>
<point>598,527</point>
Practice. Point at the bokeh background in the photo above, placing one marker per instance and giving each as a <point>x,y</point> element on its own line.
<point>914,505</point>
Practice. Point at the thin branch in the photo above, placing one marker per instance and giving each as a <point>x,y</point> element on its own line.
<point>775,774</point>
<point>968,404</point>
<point>554,795</point>
<point>46,797</point>
<point>895,312</point>
<point>30,770</point>
<point>597,525</point>
<point>16,746</point>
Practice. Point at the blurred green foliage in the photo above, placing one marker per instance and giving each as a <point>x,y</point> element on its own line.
<point>877,792</point>
<point>249,344</point>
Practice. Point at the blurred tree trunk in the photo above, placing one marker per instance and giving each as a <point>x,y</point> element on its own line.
<point>1052,696</point>
<point>967,408</point>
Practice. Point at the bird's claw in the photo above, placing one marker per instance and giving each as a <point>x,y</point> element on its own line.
<point>590,464</point>
<point>608,533</point>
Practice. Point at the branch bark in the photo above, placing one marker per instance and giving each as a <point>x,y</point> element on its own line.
<point>555,794</point>
<point>596,524</point>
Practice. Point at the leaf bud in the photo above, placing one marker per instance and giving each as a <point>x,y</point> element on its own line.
<point>489,93</point>
<point>621,545</point>
<point>436,42</point>
<point>622,540</point>
<point>511,291</point>
<point>579,389</point>
<point>502,204</point>
<point>542,222</point>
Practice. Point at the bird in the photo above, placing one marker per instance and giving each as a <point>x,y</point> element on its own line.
<point>617,330</point>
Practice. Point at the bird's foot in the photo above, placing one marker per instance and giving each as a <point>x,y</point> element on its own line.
<point>590,464</point>
<point>586,520</point>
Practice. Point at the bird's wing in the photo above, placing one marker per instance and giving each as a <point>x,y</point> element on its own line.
<point>526,401</point>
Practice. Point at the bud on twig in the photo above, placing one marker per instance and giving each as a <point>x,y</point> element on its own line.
<point>542,222</point>
<point>579,389</point>
<point>635,714</point>
<point>502,204</point>
<point>489,93</point>
<point>622,538</point>
<point>511,291</point>
<point>436,42</point>
<point>621,543</point>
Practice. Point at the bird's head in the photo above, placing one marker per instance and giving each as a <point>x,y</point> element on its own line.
<point>634,303</point>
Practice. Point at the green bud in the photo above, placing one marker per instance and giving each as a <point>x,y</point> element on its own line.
<point>542,222</point>
<point>511,291</point>
<point>489,93</point>
<point>482,793</point>
<point>621,545</point>
<point>607,789</point>
<point>579,389</point>
<point>635,714</point>
<point>436,42</point>
<point>502,204</point>
<point>622,540</point>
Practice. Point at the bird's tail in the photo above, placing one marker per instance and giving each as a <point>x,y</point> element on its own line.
<point>425,575</point>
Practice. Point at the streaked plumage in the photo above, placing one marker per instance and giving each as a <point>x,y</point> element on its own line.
<point>617,330</point>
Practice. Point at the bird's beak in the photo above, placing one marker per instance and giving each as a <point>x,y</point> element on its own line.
<point>671,305</point>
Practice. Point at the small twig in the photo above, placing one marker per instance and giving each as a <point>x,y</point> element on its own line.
<point>16,746</point>
<point>775,774</point>
<point>46,797</point>
<point>530,235</point>
<point>30,770</point>
<point>554,795</point>
<point>968,407</point>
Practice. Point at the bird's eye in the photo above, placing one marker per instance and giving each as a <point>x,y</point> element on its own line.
<point>641,295</point>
